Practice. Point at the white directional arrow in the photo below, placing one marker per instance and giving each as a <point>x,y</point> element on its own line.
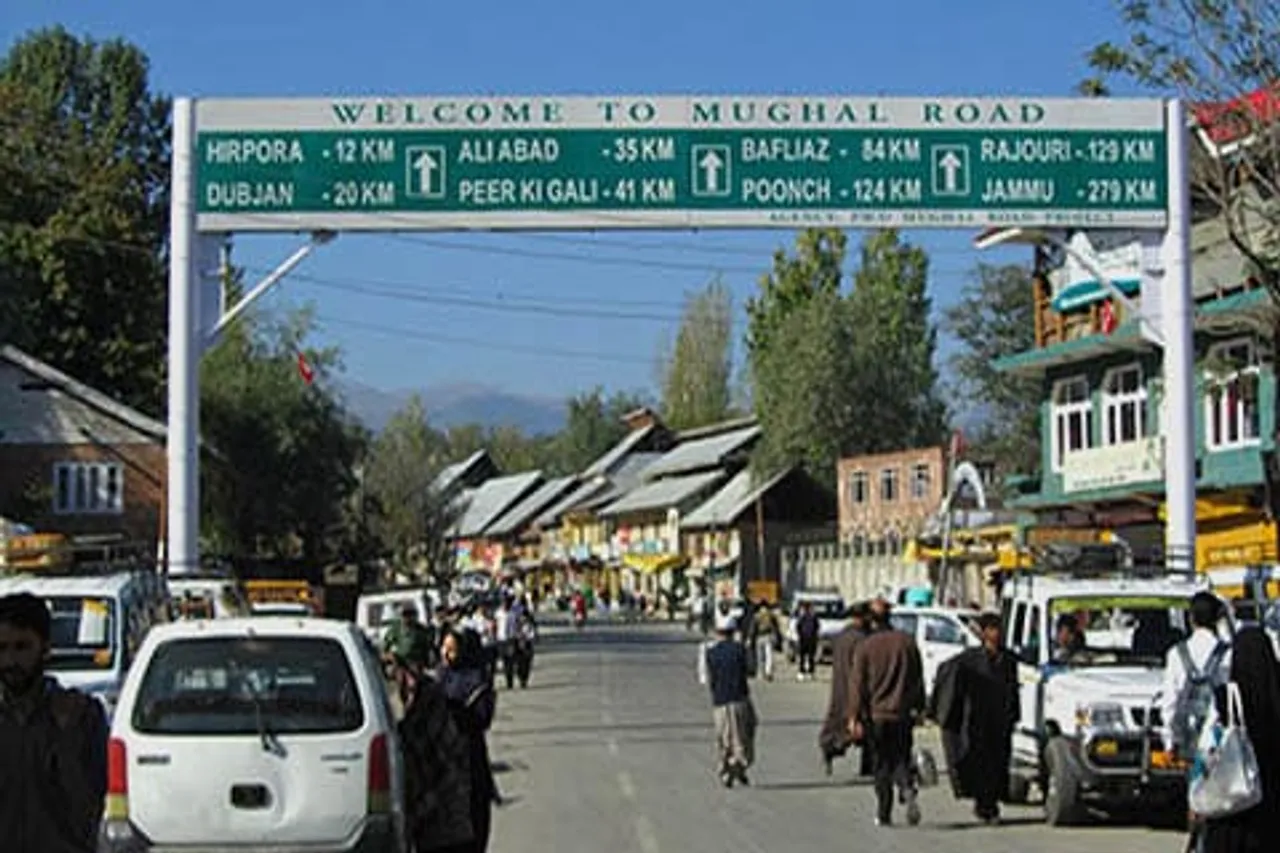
<point>951,165</point>
<point>426,166</point>
<point>711,166</point>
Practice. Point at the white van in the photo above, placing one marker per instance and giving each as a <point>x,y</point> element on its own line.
<point>378,611</point>
<point>98,625</point>
<point>206,597</point>
<point>273,733</point>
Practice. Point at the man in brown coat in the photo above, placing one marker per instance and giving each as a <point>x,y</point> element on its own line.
<point>835,738</point>
<point>53,743</point>
<point>887,698</point>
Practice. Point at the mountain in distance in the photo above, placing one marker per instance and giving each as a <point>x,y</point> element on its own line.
<point>456,404</point>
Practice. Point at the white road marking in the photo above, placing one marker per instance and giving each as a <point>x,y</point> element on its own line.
<point>628,787</point>
<point>645,835</point>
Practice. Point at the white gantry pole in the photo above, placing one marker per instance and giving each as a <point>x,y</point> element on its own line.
<point>182,546</point>
<point>1178,320</point>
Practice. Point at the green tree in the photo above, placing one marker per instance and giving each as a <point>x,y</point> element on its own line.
<point>465,439</point>
<point>697,374</point>
<point>815,267</point>
<point>993,318</point>
<point>285,450</point>
<point>1225,56</point>
<point>514,451</point>
<point>411,518</point>
<point>894,343</point>
<point>835,373</point>
<point>84,166</point>
<point>802,385</point>
<point>593,424</point>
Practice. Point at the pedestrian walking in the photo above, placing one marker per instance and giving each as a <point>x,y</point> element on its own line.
<point>888,694</point>
<point>807,629</point>
<point>53,743</point>
<point>506,621</point>
<point>525,638</point>
<point>449,783</point>
<point>764,632</point>
<point>1255,670</point>
<point>836,737</point>
<point>723,668</point>
<point>977,706</point>
<point>1193,670</point>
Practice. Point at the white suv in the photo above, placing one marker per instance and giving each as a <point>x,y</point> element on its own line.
<point>254,734</point>
<point>1090,729</point>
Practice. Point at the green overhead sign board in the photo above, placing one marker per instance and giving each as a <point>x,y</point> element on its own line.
<point>544,163</point>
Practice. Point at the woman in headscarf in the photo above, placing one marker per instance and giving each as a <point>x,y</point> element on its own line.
<point>448,779</point>
<point>1255,669</point>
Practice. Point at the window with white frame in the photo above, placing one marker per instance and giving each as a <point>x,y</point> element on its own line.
<point>889,485</point>
<point>858,491</point>
<point>919,481</point>
<point>88,488</point>
<point>1072,418</point>
<point>1231,396</point>
<point>1124,405</point>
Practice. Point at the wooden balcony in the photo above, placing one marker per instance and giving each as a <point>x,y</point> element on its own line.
<point>1054,328</point>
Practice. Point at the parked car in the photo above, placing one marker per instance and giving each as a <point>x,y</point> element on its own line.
<point>254,734</point>
<point>941,633</point>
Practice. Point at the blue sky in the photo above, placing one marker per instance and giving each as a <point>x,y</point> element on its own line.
<point>605,302</point>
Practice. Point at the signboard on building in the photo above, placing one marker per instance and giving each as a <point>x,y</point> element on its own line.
<point>442,163</point>
<point>1122,256</point>
<point>1127,464</point>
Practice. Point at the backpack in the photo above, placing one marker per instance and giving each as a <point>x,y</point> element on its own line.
<point>1197,700</point>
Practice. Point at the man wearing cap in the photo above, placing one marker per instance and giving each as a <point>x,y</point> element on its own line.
<point>408,645</point>
<point>723,667</point>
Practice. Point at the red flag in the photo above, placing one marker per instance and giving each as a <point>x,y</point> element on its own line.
<point>1107,318</point>
<point>305,370</point>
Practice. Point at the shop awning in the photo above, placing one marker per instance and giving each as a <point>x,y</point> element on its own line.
<point>1083,293</point>
<point>654,563</point>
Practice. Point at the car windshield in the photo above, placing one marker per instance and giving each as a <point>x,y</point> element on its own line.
<point>81,633</point>
<point>248,685</point>
<point>1119,630</point>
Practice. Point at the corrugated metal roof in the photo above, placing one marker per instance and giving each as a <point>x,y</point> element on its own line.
<point>89,396</point>
<point>584,491</point>
<point>736,497</point>
<point>605,465</point>
<point>450,474</point>
<point>663,494</point>
<point>520,514</point>
<point>702,453</point>
<point>601,490</point>
<point>492,498</point>
<point>628,476</point>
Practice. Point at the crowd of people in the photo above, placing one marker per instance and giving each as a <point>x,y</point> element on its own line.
<point>878,698</point>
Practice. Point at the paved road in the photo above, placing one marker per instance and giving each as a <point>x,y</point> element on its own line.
<point>610,749</point>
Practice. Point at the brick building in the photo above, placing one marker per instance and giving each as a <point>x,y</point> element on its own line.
<point>886,498</point>
<point>74,461</point>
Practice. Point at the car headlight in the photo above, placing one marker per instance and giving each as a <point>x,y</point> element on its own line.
<point>1100,715</point>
